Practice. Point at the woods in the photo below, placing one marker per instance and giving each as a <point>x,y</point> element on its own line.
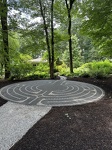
<point>4,32</point>
<point>65,34</point>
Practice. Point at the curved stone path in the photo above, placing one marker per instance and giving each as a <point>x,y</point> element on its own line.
<point>52,93</point>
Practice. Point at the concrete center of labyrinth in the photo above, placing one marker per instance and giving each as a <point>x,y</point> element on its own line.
<point>51,93</point>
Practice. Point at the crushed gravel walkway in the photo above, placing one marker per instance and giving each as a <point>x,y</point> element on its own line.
<point>16,120</point>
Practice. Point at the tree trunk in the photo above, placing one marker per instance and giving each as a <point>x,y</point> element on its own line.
<point>47,36</point>
<point>52,41</point>
<point>5,37</point>
<point>49,49</point>
<point>69,8</point>
<point>70,42</point>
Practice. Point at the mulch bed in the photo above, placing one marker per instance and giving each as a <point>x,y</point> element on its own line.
<point>82,127</point>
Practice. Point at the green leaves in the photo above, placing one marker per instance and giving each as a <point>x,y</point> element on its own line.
<point>97,22</point>
<point>95,69</point>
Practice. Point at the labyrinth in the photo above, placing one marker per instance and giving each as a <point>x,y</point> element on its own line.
<point>51,93</point>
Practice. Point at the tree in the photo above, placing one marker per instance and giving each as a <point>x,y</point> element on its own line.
<point>69,4</point>
<point>36,36</point>
<point>3,15</point>
<point>50,48</point>
<point>52,40</point>
<point>97,23</point>
<point>76,53</point>
<point>1,53</point>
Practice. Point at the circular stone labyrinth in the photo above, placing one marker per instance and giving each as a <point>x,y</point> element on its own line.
<point>52,93</point>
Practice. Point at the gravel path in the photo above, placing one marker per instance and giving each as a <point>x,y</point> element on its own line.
<point>16,120</point>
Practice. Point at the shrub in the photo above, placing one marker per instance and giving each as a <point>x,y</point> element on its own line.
<point>21,70</point>
<point>28,71</point>
<point>62,69</point>
<point>94,69</point>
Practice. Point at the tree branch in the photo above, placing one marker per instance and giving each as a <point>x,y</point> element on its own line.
<point>71,3</point>
<point>66,4</point>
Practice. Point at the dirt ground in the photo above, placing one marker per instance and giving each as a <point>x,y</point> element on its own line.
<point>81,127</point>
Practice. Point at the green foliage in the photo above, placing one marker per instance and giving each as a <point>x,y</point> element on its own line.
<point>40,71</point>
<point>21,70</point>
<point>20,67</point>
<point>94,19</point>
<point>95,69</point>
<point>26,70</point>
<point>32,44</point>
<point>97,20</point>
<point>42,67</point>
<point>62,69</point>
<point>14,44</point>
<point>1,71</point>
<point>60,36</point>
<point>77,58</point>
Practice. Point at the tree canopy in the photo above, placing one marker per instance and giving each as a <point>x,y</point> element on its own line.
<point>97,23</point>
<point>72,32</point>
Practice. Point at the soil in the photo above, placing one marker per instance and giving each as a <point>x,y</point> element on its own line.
<point>81,127</point>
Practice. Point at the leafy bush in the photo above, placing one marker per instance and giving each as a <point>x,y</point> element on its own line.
<point>42,67</point>
<point>62,69</point>
<point>42,75</point>
<point>95,69</point>
<point>41,70</point>
<point>26,70</point>
<point>1,71</point>
<point>21,70</point>
<point>20,66</point>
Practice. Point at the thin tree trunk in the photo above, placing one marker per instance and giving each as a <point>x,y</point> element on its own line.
<point>52,41</point>
<point>70,42</point>
<point>50,49</point>
<point>47,36</point>
<point>5,37</point>
<point>69,8</point>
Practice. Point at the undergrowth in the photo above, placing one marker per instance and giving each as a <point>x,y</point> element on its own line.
<point>95,69</point>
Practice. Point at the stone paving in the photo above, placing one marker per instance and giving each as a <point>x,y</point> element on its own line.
<point>52,93</point>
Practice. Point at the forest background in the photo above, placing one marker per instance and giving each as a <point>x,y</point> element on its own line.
<point>69,37</point>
